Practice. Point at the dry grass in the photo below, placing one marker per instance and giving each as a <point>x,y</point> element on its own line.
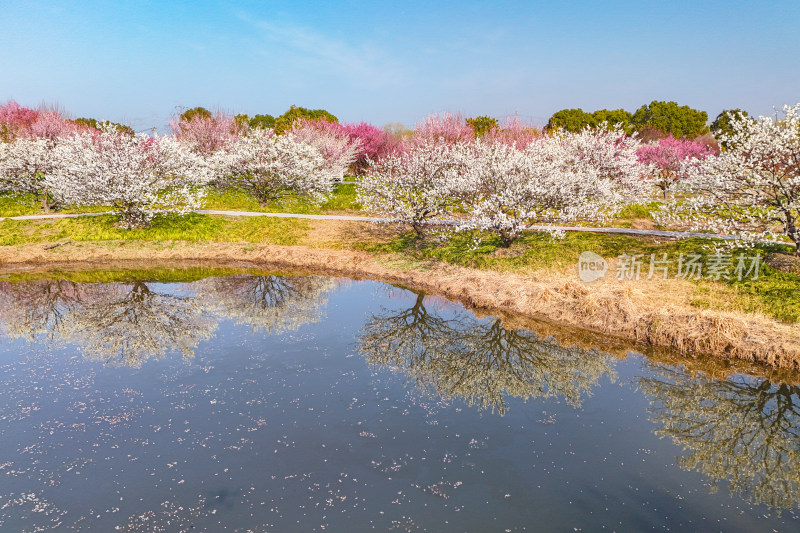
<point>655,313</point>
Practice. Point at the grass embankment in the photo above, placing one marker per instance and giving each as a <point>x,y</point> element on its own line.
<point>536,276</point>
<point>341,201</point>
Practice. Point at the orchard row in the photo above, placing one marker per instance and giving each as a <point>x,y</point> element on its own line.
<point>499,179</point>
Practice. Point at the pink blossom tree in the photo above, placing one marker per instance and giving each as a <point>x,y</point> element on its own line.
<point>373,144</point>
<point>207,134</point>
<point>671,160</point>
<point>513,133</point>
<point>449,128</point>
<point>15,120</point>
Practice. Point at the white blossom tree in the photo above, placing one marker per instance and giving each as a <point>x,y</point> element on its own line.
<point>751,190</point>
<point>30,156</point>
<point>554,180</point>
<point>138,176</point>
<point>271,167</point>
<point>24,164</point>
<point>416,186</point>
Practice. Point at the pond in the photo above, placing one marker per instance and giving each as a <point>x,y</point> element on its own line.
<point>259,402</point>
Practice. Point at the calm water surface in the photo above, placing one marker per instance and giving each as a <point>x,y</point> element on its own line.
<point>268,403</point>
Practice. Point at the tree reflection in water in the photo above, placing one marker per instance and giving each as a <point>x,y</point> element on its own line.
<point>275,304</point>
<point>123,324</point>
<point>37,309</point>
<point>127,324</point>
<point>742,430</point>
<point>479,361</point>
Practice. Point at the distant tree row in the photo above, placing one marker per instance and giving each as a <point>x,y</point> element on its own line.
<point>280,124</point>
<point>652,121</point>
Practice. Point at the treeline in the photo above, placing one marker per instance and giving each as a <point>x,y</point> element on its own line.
<point>652,121</point>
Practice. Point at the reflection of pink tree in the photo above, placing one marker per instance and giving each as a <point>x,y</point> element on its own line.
<point>671,160</point>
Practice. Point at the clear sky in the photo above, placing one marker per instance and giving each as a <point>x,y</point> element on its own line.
<point>138,61</point>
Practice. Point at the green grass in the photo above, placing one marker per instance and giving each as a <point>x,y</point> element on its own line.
<point>343,199</point>
<point>191,227</point>
<point>14,205</point>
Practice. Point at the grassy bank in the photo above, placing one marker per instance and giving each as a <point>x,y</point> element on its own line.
<point>749,319</point>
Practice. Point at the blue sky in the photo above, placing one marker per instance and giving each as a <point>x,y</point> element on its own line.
<point>137,62</point>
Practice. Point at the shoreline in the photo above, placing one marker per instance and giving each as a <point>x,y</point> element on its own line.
<point>631,312</point>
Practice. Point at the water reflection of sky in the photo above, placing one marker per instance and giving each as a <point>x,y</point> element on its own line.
<point>266,403</point>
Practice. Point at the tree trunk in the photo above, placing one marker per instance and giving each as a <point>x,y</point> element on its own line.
<point>419,229</point>
<point>45,203</point>
<point>794,233</point>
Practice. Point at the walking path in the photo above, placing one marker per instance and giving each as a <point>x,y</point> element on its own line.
<point>623,231</point>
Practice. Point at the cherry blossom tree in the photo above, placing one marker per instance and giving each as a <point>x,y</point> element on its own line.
<point>271,167</point>
<point>751,190</point>
<point>671,159</point>
<point>138,176</point>
<point>331,140</point>
<point>416,186</point>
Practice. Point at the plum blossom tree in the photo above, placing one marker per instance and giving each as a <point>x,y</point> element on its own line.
<point>513,132</point>
<point>606,149</point>
<point>751,190</point>
<point>416,186</point>
<point>30,157</point>
<point>449,128</point>
<point>138,176</point>
<point>374,143</point>
<point>331,140</point>
<point>206,133</point>
<point>671,159</point>
<point>562,178</point>
<point>15,120</point>
<point>271,167</point>
<point>24,165</point>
